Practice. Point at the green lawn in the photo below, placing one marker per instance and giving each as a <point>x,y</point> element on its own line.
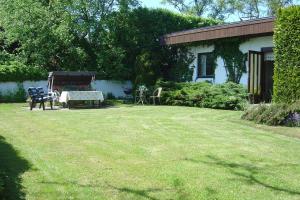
<point>145,152</point>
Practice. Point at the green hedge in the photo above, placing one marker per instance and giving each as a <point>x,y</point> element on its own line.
<point>287,55</point>
<point>229,96</point>
<point>19,72</point>
<point>2,183</point>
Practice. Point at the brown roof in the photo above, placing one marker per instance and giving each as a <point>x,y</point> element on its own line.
<point>69,78</point>
<point>72,73</point>
<point>249,28</point>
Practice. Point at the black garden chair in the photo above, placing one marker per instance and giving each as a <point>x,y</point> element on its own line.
<point>47,97</point>
<point>37,95</point>
<point>128,95</point>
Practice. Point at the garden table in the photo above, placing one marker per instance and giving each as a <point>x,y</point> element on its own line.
<point>67,96</point>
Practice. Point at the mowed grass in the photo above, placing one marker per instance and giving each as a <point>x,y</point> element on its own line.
<point>146,152</point>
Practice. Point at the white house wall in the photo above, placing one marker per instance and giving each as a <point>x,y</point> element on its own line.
<point>106,86</point>
<point>254,44</point>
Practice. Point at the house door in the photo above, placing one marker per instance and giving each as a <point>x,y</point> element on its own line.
<point>267,76</point>
<point>255,75</point>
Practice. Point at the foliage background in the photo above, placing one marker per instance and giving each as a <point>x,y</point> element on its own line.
<point>225,9</point>
<point>19,72</point>
<point>118,39</point>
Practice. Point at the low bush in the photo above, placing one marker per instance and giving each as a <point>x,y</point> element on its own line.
<point>110,95</point>
<point>274,114</point>
<point>229,96</point>
<point>14,97</point>
<point>18,72</point>
<point>2,183</point>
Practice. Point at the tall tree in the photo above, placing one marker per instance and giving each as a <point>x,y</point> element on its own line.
<point>248,9</point>
<point>112,37</point>
<point>273,5</point>
<point>222,9</point>
<point>251,9</point>
<point>138,32</point>
<point>60,34</point>
<point>42,29</point>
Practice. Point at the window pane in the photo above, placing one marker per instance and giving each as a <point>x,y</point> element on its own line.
<point>205,64</point>
<point>209,65</point>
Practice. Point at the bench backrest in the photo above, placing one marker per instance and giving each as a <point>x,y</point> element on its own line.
<point>40,91</point>
<point>33,93</point>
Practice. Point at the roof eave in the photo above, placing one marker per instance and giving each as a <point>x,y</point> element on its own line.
<point>253,28</point>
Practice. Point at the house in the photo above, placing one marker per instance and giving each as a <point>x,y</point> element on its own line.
<point>257,46</point>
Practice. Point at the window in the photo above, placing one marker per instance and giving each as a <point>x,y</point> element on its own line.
<point>206,65</point>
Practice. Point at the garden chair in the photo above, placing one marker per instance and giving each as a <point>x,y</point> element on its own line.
<point>128,94</point>
<point>38,96</point>
<point>141,94</point>
<point>47,97</point>
<point>156,95</point>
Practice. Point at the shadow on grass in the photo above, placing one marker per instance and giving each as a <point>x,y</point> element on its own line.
<point>73,183</point>
<point>249,172</point>
<point>141,193</point>
<point>177,190</point>
<point>138,192</point>
<point>12,166</point>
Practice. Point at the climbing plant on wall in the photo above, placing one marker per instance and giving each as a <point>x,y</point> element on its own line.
<point>234,60</point>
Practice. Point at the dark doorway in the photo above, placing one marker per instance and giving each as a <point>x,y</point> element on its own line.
<point>261,70</point>
<point>267,74</point>
<point>267,80</point>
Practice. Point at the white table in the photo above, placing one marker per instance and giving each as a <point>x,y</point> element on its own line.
<point>67,96</point>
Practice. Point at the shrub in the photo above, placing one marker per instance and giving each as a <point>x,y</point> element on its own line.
<point>274,114</point>
<point>229,96</point>
<point>110,95</point>
<point>252,112</point>
<point>19,72</point>
<point>287,55</point>
<point>2,183</point>
<point>12,97</point>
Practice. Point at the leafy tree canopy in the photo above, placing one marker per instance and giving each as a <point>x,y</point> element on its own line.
<point>138,34</point>
<point>224,9</point>
<point>116,38</point>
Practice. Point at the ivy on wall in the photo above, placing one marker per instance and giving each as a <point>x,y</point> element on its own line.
<point>234,60</point>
